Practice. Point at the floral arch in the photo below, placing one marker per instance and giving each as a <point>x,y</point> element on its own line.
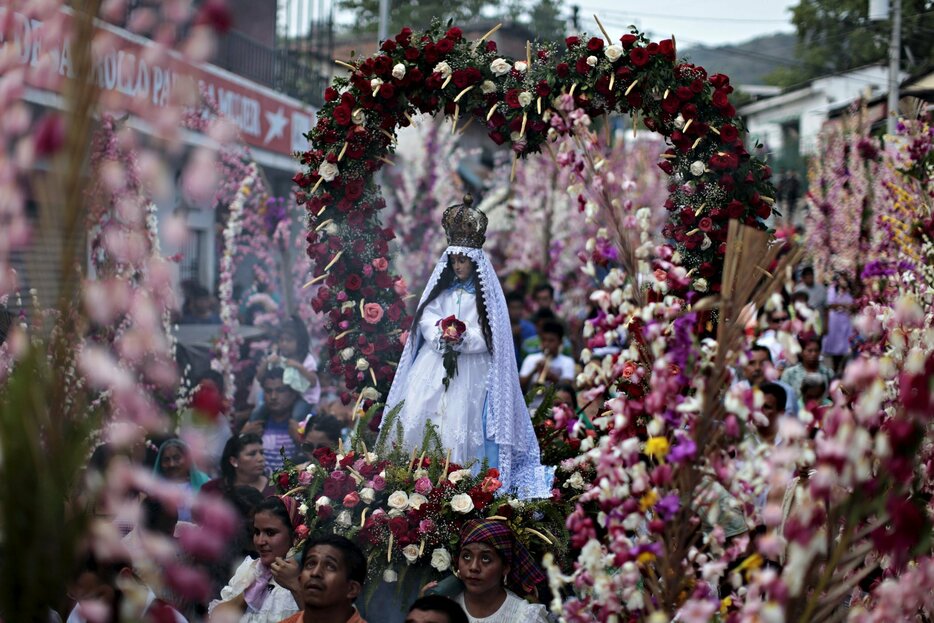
<point>713,177</point>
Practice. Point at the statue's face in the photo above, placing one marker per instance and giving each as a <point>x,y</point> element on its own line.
<point>463,267</point>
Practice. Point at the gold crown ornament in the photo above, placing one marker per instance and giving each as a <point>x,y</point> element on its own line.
<point>465,225</point>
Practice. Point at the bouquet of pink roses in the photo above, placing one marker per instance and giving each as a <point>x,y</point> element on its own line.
<point>452,333</point>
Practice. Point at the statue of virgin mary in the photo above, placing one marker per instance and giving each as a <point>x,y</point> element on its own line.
<point>480,413</point>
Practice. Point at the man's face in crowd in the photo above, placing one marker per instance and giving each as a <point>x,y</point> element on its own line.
<point>279,397</point>
<point>324,578</point>
<point>543,298</point>
<point>754,371</point>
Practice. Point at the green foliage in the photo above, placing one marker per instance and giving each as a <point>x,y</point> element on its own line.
<point>43,448</point>
<point>390,427</point>
<point>837,35</point>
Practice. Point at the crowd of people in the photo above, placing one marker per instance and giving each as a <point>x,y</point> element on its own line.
<point>800,344</point>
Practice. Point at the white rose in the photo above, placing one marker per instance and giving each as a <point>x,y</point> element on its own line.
<point>303,508</point>
<point>347,353</point>
<point>358,117</point>
<point>416,500</point>
<point>500,67</point>
<point>362,364</point>
<point>398,72</point>
<point>613,52</point>
<point>592,61</point>
<point>462,503</point>
<point>459,475</point>
<point>700,285</point>
<point>390,576</point>
<point>576,481</point>
<point>410,552</point>
<point>521,66</point>
<point>375,82</point>
<point>525,98</point>
<point>443,68</point>
<point>312,468</point>
<point>441,559</point>
<point>370,393</point>
<point>367,495</point>
<point>343,518</point>
<point>698,168</point>
<point>398,500</point>
<point>706,243</point>
<point>328,170</point>
<point>488,87</point>
<point>322,501</point>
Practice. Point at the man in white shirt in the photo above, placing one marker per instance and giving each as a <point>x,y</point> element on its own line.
<point>549,366</point>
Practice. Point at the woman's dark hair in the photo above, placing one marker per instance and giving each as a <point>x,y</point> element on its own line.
<point>327,424</point>
<point>353,556</point>
<point>569,388</point>
<point>274,506</point>
<point>439,603</point>
<point>444,281</point>
<point>808,337</point>
<point>296,327</point>
<point>233,448</point>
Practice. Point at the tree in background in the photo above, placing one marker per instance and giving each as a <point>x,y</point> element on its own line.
<point>837,35</point>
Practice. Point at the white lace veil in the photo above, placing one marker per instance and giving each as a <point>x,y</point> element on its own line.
<point>508,423</point>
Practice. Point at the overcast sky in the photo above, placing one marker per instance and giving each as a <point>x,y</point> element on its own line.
<point>711,22</point>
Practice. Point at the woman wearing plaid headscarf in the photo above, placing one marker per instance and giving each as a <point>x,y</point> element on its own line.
<point>497,570</point>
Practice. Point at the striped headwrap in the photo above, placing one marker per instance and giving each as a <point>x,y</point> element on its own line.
<point>523,572</point>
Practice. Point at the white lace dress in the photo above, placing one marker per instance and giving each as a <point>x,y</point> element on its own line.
<point>458,412</point>
<point>514,610</point>
<point>278,605</point>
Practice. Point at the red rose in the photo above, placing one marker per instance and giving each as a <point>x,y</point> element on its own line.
<point>719,80</point>
<point>283,480</point>
<point>582,67</point>
<point>666,166</point>
<point>353,189</point>
<point>542,89</point>
<point>411,54</point>
<point>720,99</point>
<point>444,46</point>
<point>628,41</point>
<point>330,94</point>
<point>595,44</point>
<point>387,91</point>
<point>353,282</point>
<point>728,133</point>
<point>497,138</point>
<point>705,224</point>
<point>684,93</point>
<point>454,34</point>
<point>562,69</point>
<point>512,98</point>
<point>404,36</point>
<point>639,56</point>
<point>490,46</point>
<point>389,45</point>
<point>735,209</point>
<point>324,512</point>
<point>342,114</point>
<point>398,526</point>
<point>666,48</point>
<point>572,41</point>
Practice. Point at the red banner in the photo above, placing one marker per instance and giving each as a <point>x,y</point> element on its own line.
<point>135,75</point>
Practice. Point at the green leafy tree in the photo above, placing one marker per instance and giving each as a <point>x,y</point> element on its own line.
<point>837,35</point>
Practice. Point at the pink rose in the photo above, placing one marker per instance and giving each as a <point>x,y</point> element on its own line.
<point>628,369</point>
<point>400,287</point>
<point>425,526</point>
<point>372,312</point>
<point>381,263</point>
<point>304,478</point>
<point>423,485</point>
<point>351,499</point>
<point>379,483</point>
<point>301,532</point>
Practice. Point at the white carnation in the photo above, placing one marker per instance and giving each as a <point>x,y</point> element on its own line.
<point>328,170</point>
<point>500,67</point>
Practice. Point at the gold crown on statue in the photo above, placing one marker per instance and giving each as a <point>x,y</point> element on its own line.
<point>465,225</point>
